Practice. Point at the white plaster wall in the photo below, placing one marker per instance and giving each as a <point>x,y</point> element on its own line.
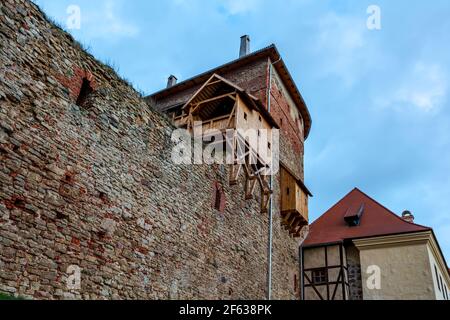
<point>439,293</point>
<point>405,273</point>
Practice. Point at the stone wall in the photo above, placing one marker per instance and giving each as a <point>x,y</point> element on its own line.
<point>354,273</point>
<point>288,117</point>
<point>254,78</point>
<point>95,187</point>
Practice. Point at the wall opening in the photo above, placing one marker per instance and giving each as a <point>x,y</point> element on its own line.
<point>85,91</point>
<point>217,200</point>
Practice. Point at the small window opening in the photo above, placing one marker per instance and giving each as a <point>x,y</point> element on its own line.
<point>60,216</point>
<point>260,119</point>
<point>103,197</point>
<point>19,203</point>
<point>288,191</point>
<point>269,146</point>
<point>437,277</point>
<point>85,91</point>
<point>320,276</point>
<point>245,116</point>
<point>217,200</point>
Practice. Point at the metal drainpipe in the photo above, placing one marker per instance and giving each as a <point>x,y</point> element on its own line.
<point>270,249</point>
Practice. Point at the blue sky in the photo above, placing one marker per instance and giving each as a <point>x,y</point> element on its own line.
<point>379,99</point>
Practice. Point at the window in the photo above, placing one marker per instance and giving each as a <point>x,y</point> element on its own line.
<point>269,145</point>
<point>437,278</point>
<point>218,199</point>
<point>442,284</point>
<point>320,276</point>
<point>245,116</point>
<point>295,283</point>
<point>85,91</point>
<point>260,119</point>
<point>288,191</point>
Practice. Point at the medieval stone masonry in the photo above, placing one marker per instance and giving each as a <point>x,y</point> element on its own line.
<point>87,181</point>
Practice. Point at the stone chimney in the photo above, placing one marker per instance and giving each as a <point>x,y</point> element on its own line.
<point>245,46</point>
<point>408,216</point>
<point>171,81</point>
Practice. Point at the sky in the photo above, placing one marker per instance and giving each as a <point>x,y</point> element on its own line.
<point>379,99</point>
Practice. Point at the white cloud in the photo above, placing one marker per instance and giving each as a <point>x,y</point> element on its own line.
<point>116,25</point>
<point>426,87</point>
<point>99,19</point>
<point>343,47</point>
<point>106,23</point>
<point>231,7</point>
<point>423,87</point>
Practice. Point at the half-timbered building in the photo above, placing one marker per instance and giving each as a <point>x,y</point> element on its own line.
<point>360,250</point>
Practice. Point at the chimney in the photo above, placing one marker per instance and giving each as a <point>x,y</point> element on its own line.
<point>408,216</point>
<point>245,46</point>
<point>171,81</point>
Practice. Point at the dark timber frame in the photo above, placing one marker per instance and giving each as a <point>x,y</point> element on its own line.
<point>332,286</point>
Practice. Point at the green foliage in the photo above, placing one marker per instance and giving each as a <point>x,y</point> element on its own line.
<point>8,297</point>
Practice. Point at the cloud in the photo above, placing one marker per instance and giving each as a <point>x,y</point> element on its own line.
<point>99,19</point>
<point>426,87</point>
<point>106,23</point>
<point>423,87</point>
<point>229,7</point>
<point>343,47</point>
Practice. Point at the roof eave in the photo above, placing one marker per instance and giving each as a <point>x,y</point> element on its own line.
<point>271,52</point>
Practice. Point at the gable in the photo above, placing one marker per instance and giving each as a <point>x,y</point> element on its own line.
<point>377,220</point>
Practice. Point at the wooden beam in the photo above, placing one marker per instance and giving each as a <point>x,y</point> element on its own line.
<point>313,286</point>
<point>233,114</point>
<point>337,285</point>
<point>223,96</point>
<point>234,173</point>
<point>250,184</point>
<point>213,83</point>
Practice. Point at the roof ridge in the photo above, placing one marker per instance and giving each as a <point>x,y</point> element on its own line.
<point>212,70</point>
<point>389,210</point>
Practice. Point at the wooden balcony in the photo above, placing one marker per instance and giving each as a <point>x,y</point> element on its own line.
<point>221,105</point>
<point>294,202</point>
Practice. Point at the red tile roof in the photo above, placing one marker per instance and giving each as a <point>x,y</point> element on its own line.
<point>376,220</point>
